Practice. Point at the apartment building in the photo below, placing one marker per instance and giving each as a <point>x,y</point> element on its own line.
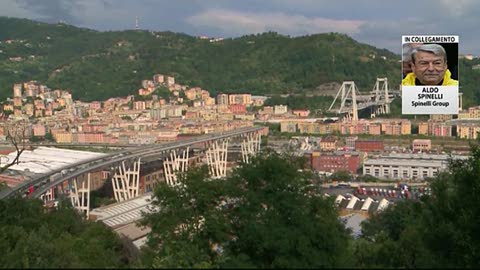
<point>369,146</point>
<point>334,162</point>
<point>468,130</point>
<point>222,99</point>
<point>421,145</point>
<point>245,99</point>
<point>328,144</point>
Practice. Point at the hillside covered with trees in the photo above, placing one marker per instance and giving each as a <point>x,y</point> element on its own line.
<point>97,65</point>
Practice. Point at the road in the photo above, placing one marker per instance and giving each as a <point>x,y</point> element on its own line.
<point>44,182</point>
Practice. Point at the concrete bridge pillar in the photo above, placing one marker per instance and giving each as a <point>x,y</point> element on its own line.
<point>217,158</point>
<point>48,196</point>
<point>126,181</point>
<point>250,146</point>
<point>80,194</point>
<point>175,163</point>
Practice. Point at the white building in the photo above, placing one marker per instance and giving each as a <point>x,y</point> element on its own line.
<point>46,159</point>
<point>406,166</point>
<point>280,109</point>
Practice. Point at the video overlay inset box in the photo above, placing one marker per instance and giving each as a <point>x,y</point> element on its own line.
<point>430,74</point>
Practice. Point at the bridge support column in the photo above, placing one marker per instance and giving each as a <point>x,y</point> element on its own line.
<point>250,146</point>
<point>48,196</point>
<point>176,163</point>
<point>80,194</point>
<point>217,159</point>
<point>126,182</point>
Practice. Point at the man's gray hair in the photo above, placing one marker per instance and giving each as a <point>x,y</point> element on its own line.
<point>436,49</point>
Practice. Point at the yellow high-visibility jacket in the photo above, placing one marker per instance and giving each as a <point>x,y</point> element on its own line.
<point>447,79</point>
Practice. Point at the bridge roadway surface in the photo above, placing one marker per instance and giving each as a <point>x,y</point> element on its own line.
<point>44,182</point>
<point>361,106</point>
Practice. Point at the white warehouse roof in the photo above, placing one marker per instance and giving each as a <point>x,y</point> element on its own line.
<point>123,212</point>
<point>46,159</point>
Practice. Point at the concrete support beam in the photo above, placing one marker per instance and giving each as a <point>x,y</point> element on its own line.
<point>250,146</point>
<point>126,182</point>
<point>48,196</point>
<point>217,158</point>
<point>80,194</point>
<point>175,163</point>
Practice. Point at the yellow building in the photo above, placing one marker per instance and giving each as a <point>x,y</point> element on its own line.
<point>288,126</point>
<point>406,127</point>
<point>468,131</point>
<point>333,127</point>
<point>463,114</point>
<point>245,99</point>
<point>423,128</point>
<point>191,94</point>
<point>305,127</point>
<point>474,112</point>
<point>393,129</point>
<point>209,101</point>
<point>319,128</point>
<point>246,117</point>
<point>8,107</point>
<point>328,144</point>
<point>225,116</point>
<point>440,117</point>
<point>374,129</point>
<point>63,137</point>
<point>471,113</point>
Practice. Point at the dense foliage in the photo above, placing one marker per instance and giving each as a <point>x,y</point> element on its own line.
<point>266,214</point>
<point>316,104</point>
<point>440,231</point>
<point>97,65</point>
<point>31,237</point>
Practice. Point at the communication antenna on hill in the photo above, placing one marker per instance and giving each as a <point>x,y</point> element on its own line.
<point>136,22</point>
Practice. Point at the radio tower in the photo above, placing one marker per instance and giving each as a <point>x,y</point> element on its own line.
<point>136,22</point>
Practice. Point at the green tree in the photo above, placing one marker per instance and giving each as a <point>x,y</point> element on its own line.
<point>3,186</point>
<point>367,178</point>
<point>266,214</point>
<point>342,175</point>
<point>32,237</point>
<point>49,137</point>
<point>439,231</point>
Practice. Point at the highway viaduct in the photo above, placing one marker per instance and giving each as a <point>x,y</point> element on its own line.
<point>216,145</point>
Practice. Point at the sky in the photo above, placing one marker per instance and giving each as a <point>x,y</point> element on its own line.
<point>380,23</point>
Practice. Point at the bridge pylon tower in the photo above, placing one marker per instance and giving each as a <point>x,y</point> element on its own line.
<point>348,90</point>
<point>380,91</point>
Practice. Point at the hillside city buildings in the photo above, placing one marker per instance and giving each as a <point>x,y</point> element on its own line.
<point>164,110</point>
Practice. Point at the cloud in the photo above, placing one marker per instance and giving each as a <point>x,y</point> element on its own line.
<point>377,22</point>
<point>53,10</point>
<point>239,23</point>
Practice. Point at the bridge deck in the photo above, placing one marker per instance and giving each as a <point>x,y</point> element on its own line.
<point>44,182</point>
